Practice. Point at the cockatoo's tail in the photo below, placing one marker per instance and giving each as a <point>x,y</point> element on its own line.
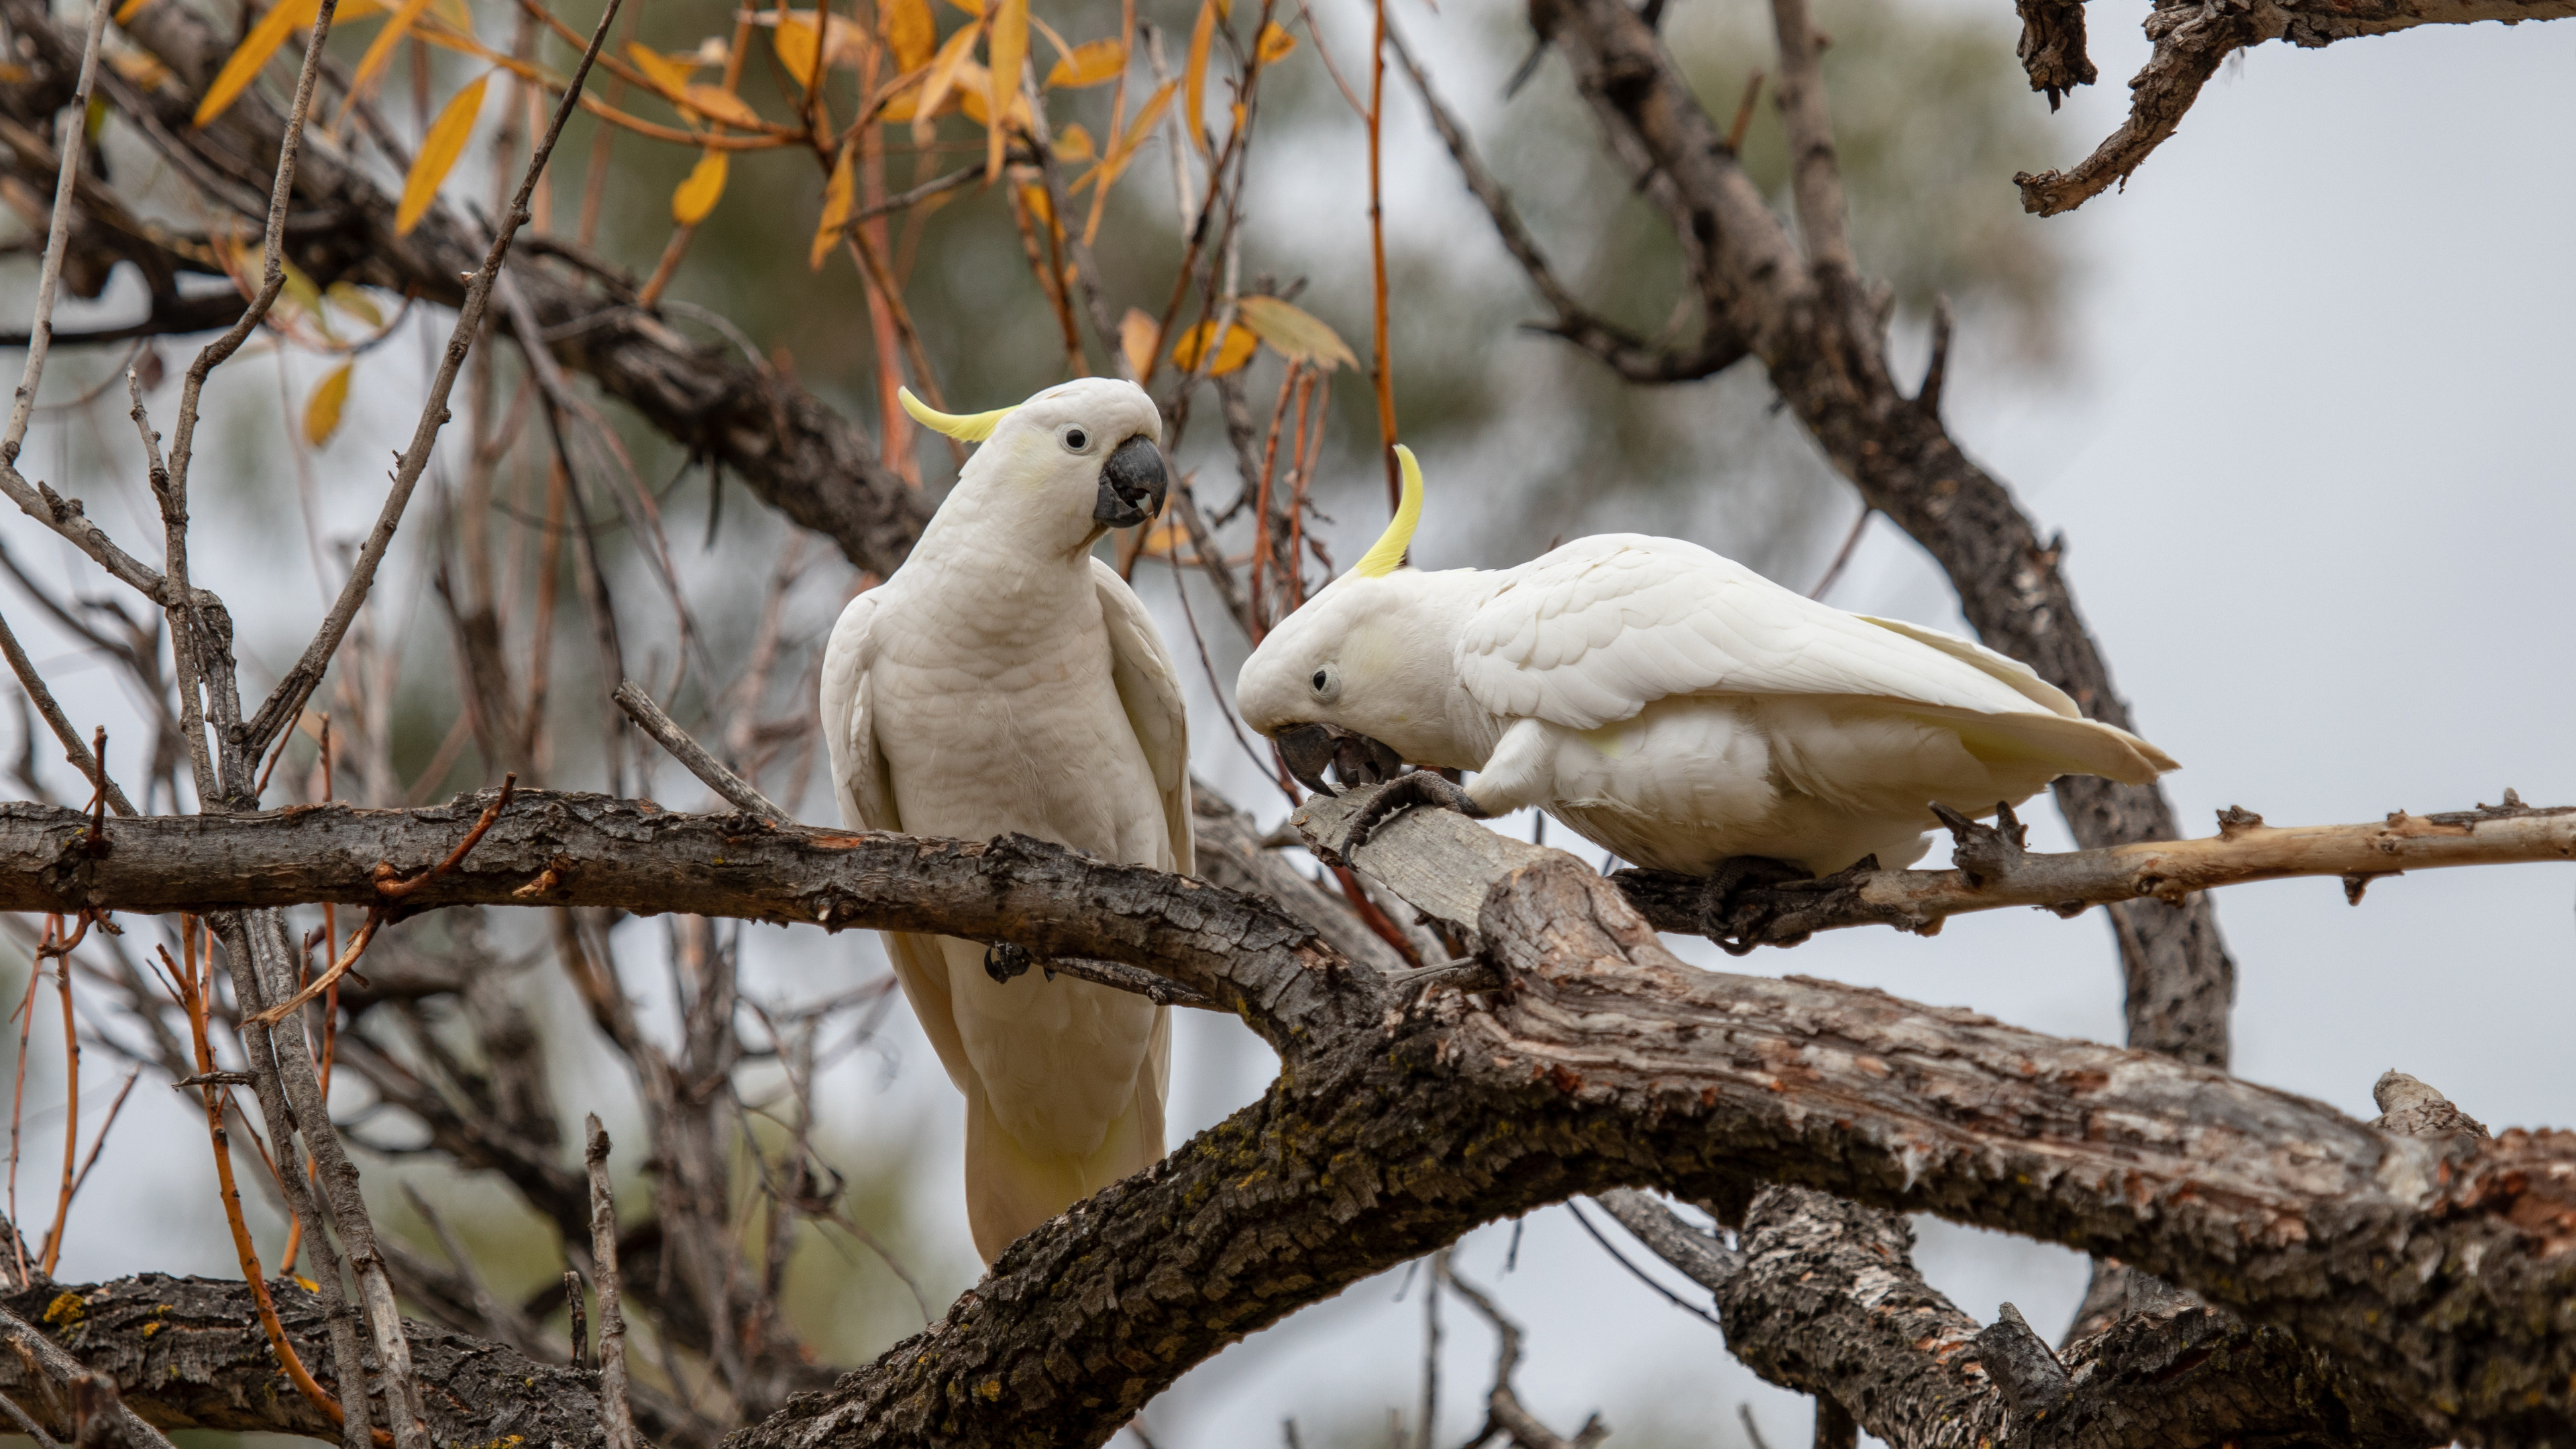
<point>1004,680</point>
<point>1664,702</point>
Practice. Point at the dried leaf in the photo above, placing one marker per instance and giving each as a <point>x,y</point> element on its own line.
<point>380,51</point>
<point>1194,80</point>
<point>837,195</point>
<point>1294,333</point>
<point>1034,198</point>
<point>354,301</point>
<point>1009,52</point>
<point>796,46</point>
<point>943,76</point>
<point>1073,143</point>
<point>1276,43</point>
<point>1232,352</point>
<point>439,148</point>
<point>669,74</point>
<point>1130,140</point>
<point>697,195</point>
<point>909,33</point>
<point>1138,336</point>
<point>322,409</point>
<point>456,15</point>
<point>1094,62</point>
<point>243,66</point>
<point>718,104</point>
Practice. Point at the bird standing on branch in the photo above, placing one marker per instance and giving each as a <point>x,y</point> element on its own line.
<point>1661,701</point>
<point>1004,680</point>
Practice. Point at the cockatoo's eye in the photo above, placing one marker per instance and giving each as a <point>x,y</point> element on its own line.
<point>1326,682</point>
<point>1076,440</point>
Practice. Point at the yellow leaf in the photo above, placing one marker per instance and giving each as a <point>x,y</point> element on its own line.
<point>1137,337</point>
<point>1294,333</point>
<point>670,76</point>
<point>145,72</point>
<point>697,195</point>
<point>439,149</point>
<point>1275,44</point>
<point>380,51</point>
<point>837,194</point>
<point>282,20</point>
<point>125,14</point>
<point>718,104</point>
<point>1034,197</point>
<point>1194,80</point>
<point>1234,351</point>
<point>1138,129</point>
<point>943,75</point>
<point>322,409</point>
<point>457,14</point>
<point>355,302</point>
<point>1094,62</point>
<point>309,1285</point>
<point>794,41</point>
<point>1009,51</point>
<point>909,33</point>
<point>1073,143</point>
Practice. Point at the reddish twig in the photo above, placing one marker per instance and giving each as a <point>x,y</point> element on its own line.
<point>396,889</point>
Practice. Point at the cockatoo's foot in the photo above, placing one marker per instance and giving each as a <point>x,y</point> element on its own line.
<point>1002,961</point>
<point>1735,924</point>
<point>1419,787</point>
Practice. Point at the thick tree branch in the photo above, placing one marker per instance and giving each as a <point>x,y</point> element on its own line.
<point>2191,38</point>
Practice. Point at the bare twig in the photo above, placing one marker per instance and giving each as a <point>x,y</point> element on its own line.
<point>40,332</point>
<point>649,717</point>
<point>74,748</point>
<point>616,1421</point>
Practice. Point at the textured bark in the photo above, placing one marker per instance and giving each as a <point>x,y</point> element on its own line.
<point>2052,47</point>
<point>2192,37</point>
<point>188,1353</point>
<point>805,460</point>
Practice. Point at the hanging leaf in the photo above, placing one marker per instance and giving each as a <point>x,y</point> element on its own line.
<point>1232,352</point>
<point>322,409</point>
<point>1133,138</point>
<point>1009,51</point>
<point>1073,143</point>
<point>796,45</point>
<point>1194,80</point>
<point>380,51</point>
<point>718,104</point>
<point>1294,333</point>
<point>354,301</point>
<point>1094,62</point>
<point>282,20</point>
<point>1138,336</point>
<point>943,76</point>
<point>697,195</point>
<point>837,194</point>
<point>456,15</point>
<point>439,149</point>
<point>1034,198</point>
<point>669,75</point>
<point>1276,43</point>
<point>909,33</point>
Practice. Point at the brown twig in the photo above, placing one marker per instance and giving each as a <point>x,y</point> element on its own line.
<point>74,750</point>
<point>40,332</point>
<point>649,717</point>
<point>1380,368</point>
<point>616,1420</point>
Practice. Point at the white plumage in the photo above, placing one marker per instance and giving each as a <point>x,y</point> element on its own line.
<point>1674,706</point>
<point>1003,680</point>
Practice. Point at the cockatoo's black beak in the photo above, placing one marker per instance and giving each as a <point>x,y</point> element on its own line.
<point>1355,759</point>
<point>1132,484</point>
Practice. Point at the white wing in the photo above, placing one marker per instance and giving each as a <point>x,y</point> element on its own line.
<point>1149,688</point>
<point>1592,633</point>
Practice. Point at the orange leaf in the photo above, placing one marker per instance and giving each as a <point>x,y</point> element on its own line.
<point>1009,51</point>
<point>380,51</point>
<point>1194,80</point>
<point>1034,197</point>
<point>1137,337</point>
<point>282,19</point>
<point>909,33</point>
<point>943,76</point>
<point>1234,351</point>
<point>718,104</point>
<point>1294,333</point>
<point>1138,129</point>
<point>794,41</point>
<point>1094,62</point>
<point>1275,44</point>
<point>668,75</point>
<point>322,409</point>
<point>439,148</point>
<point>837,193</point>
<point>697,195</point>
<point>1073,143</point>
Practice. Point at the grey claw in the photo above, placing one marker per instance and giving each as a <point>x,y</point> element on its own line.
<point>1002,961</point>
<point>1420,787</point>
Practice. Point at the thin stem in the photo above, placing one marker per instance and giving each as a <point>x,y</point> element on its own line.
<point>69,134</point>
<point>1378,358</point>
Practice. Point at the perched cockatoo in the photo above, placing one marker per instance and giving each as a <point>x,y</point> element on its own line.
<point>1661,701</point>
<point>1004,680</point>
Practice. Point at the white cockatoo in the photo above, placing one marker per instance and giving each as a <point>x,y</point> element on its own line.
<point>1004,680</point>
<point>1664,702</point>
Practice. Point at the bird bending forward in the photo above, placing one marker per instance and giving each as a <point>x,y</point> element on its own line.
<point>1004,680</point>
<point>1666,703</point>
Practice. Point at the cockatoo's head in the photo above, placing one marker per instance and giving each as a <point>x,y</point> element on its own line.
<point>1077,459</point>
<point>1359,678</point>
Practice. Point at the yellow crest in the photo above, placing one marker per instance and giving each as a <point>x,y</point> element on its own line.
<point>970,428</point>
<point>1387,554</point>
